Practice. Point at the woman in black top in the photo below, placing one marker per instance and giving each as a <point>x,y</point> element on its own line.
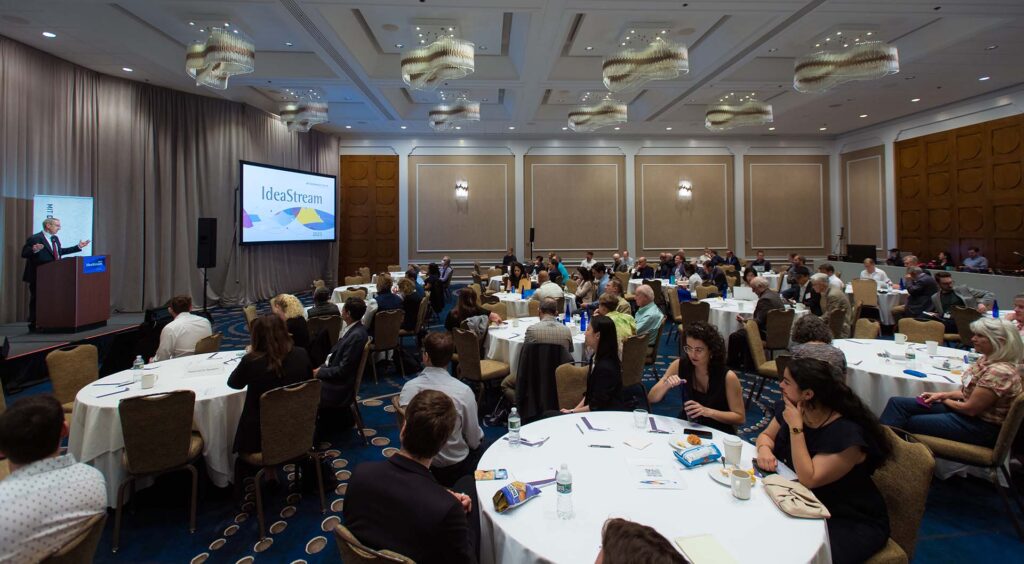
<point>272,362</point>
<point>515,278</point>
<point>434,285</point>
<point>467,307</point>
<point>289,309</point>
<point>824,433</point>
<point>410,303</point>
<point>604,382</point>
<point>712,394</point>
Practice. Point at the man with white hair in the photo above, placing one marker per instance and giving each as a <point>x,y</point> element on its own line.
<point>648,317</point>
<point>767,300</point>
<point>832,300</point>
<point>39,249</point>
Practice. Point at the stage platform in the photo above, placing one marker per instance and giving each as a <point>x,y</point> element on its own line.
<point>22,342</point>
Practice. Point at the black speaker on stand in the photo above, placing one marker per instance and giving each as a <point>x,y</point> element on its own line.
<point>206,250</point>
<point>532,234</point>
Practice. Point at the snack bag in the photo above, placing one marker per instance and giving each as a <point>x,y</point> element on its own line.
<point>513,495</point>
<point>697,456</point>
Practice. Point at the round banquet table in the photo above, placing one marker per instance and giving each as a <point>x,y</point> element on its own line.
<point>603,487</point>
<point>771,277</point>
<point>96,437</point>
<point>396,276</point>
<point>371,291</point>
<point>516,306</point>
<point>505,342</point>
<point>723,314</point>
<point>875,379</point>
<point>886,301</point>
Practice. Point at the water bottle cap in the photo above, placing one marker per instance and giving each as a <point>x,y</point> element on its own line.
<point>514,410</point>
<point>565,466</point>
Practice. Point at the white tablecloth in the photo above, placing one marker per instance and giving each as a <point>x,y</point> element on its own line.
<point>750,530</point>
<point>875,380</point>
<point>396,276</point>
<point>371,309</point>
<point>516,306</point>
<point>723,314</point>
<point>96,426</point>
<point>505,342</point>
<point>886,301</point>
<point>371,291</point>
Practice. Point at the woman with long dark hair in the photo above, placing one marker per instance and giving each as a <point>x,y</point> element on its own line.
<point>434,285</point>
<point>833,442</point>
<point>517,280</point>
<point>467,306</point>
<point>712,394</point>
<point>604,382</point>
<point>586,288</point>
<point>272,361</point>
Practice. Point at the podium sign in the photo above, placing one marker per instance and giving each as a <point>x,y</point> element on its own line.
<point>73,294</point>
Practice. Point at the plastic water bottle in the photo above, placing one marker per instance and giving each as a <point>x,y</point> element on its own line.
<point>911,357</point>
<point>672,279</point>
<point>563,480</point>
<point>514,422</point>
<point>137,367</point>
<point>995,309</point>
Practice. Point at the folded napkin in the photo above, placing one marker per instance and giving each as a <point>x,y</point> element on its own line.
<point>794,499</point>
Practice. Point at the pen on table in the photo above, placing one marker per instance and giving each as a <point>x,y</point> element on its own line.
<point>600,446</point>
<point>112,393</point>
<point>578,428</point>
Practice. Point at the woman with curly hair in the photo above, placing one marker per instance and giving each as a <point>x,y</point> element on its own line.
<point>712,394</point>
<point>290,310</point>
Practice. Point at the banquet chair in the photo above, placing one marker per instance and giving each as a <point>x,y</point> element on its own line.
<point>484,278</point>
<point>500,308</point>
<point>865,291</point>
<point>571,382</point>
<point>691,312</point>
<point>82,547</point>
<point>3,400</point>
<point>209,344</point>
<point>71,369</point>
<point>624,278</point>
<point>353,292</point>
<point>867,329</point>
<point>287,427</point>
<point>353,280</point>
<point>921,331</point>
<point>417,331</point>
<point>318,283</point>
<point>732,278</point>
<point>364,273</point>
<point>676,313</point>
<point>659,294</point>
<point>778,328</point>
<point>354,552</point>
<point>991,459</point>
<point>904,481</point>
<point>560,303</point>
<point>386,327</point>
<point>360,370</point>
<point>534,306</point>
<point>394,268</point>
<point>651,359</point>
<point>250,314</point>
<point>482,372</point>
<point>764,369</point>
<point>158,438</point>
<point>705,291</point>
<point>571,286</point>
<point>634,354</point>
<point>836,320</point>
<point>399,411</point>
<point>963,317</point>
<point>494,273</point>
<point>329,323</point>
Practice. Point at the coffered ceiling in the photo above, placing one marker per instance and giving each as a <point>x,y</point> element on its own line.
<point>535,58</point>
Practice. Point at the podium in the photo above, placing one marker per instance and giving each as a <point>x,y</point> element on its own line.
<point>73,294</point>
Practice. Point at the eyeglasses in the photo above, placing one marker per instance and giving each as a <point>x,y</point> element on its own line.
<point>698,350</point>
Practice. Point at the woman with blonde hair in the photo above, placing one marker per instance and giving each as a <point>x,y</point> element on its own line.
<point>975,413</point>
<point>290,310</point>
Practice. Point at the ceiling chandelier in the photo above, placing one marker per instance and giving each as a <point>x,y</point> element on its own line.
<point>447,58</point>
<point>608,111</point>
<point>735,111</point>
<point>446,115</point>
<point>660,60</point>
<point>220,57</point>
<point>822,70</point>
<point>302,109</point>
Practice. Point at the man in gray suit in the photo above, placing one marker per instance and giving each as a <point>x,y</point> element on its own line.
<point>950,295</point>
<point>832,300</point>
<point>548,330</point>
<point>767,300</point>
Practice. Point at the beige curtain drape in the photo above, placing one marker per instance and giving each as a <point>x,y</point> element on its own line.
<point>155,160</point>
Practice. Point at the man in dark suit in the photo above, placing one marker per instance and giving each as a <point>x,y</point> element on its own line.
<point>39,249</point>
<point>920,289</point>
<point>716,276</point>
<point>767,300</point>
<point>338,375</point>
<point>322,306</point>
<point>396,504</point>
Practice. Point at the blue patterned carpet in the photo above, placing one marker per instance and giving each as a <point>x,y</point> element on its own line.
<point>964,520</point>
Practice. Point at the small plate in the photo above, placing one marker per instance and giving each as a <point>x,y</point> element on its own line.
<point>716,474</point>
<point>680,448</point>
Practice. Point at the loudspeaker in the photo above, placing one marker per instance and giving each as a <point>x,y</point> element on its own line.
<point>531,235</point>
<point>857,253</point>
<point>206,243</point>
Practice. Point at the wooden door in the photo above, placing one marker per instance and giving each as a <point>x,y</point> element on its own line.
<point>369,213</point>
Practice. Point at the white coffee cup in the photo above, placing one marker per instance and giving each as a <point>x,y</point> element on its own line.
<point>899,338</point>
<point>515,322</point>
<point>148,380</point>
<point>740,480</point>
<point>933,347</point>
<point>733,450</point>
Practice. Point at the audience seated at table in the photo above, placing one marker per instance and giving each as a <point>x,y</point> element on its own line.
<point>614,288</point>
<point>974,413</point>
<point>760,262</point>
<point>749,274</point>
<point>714,275</point>
<point>950,295</point>
<point>588,262</point>
<point>601,277</point>
<point>179,337</point>
<point>338,374</point>
<point>546,288</point>
<point>386,301</point>
<point>695,279</point>
<point>322,306</point>
<point>627,260</point>
<point>410,303</point>
<point>517,280</point>
<point>465,308</point>
<point>832,299</point>
<point>413,275</point>
<point>833,280</point>
<point>446,271</point>
<point>396,504</point>
<point>678,266</point>
<point>1017,315</point>
<point>941,262</point>
<point>271,361</point>
<point>585,288</point>
<point>626,542</point>
<point>920,288</point>
<point>824,432</point>
<point>537,266</point>
<point>434,285</point>
<point>648,317</point>
<point>876,274</point>
<point>48,498</point>
<point>910,261</point>
<point>974,261</point>
<point>459,455</point>
<point>731,260</point>
<point>714,258</point>
<point>795,261</point>
<point>894,258</point>
<point>642,270</point>
<point>617,264</point>
<point>290,310</point>
<point>509,258</point>
<point>549,330</point>
<point>557,271</point>
<point>812,338</point>
<point>767,300</point>
<point>625,324</point>
<point>711,393</point>
<point>803,292</point>
<point>665,265</point>
<point>604,379</point>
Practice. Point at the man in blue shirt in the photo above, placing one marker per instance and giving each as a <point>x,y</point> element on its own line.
<point>648,317</point>
<point>974,261</point>
<point>602,277</point>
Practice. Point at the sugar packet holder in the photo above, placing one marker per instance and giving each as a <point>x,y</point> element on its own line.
<point>698,456</point>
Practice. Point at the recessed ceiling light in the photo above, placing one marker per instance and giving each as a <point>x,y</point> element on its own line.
<point>348,127</point>
<point>668,129</point>
<point>202,30</point>
<point>984,78</point>
<point>288,44</point>
<point>235,30</point>
<point>482,47</point>
<point>863,115</point>
<point>49,34</point>
<point>458,127</point>
<point>126,69</point>
<point>417,28</point>
<point>590,47</point>
<point>623,43</point>
<point>402,127</point>
<point>822,128</point>
<point>771,129</point>
<point>773,49</point>
<point>226,24</point>
<point>191,23</point>
<point>565,129</point>
<point>870,33</point>
<point>915,99</point>
<point>991,47</point>
<point>399,45</point>
<point>664,31</point>
<point>617,128</point>
<point>511,127</point>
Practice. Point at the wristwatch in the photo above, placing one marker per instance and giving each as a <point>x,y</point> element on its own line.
<point>796,430</point>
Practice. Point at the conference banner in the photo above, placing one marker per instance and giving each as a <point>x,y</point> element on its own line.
<point>75,214</point>
<point>283,205</point>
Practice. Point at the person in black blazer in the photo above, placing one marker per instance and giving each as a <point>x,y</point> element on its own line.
<point>410,303</point>
<point>39,249</point>
<point>322,306</point>
<point>434,285</point>
<point>271,362</point>
<point>604,382</point>
<point>386,300</point>
<point>396,504</point>
<point>716,276</point>
<point>338,375</point>
<point>289,309</point>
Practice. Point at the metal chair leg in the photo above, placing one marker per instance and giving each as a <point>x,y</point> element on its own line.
<point>373,364</point>
<point>359,423</point>
<point>320,481</point>
<point>259,502</point>
<point>195,498</point>
<point>115,543</point>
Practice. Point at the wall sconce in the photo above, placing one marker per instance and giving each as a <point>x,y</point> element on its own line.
<point>685,190</point>
<point>461,190</point>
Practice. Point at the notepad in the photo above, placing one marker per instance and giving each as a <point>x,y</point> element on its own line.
<point>704,549</point>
